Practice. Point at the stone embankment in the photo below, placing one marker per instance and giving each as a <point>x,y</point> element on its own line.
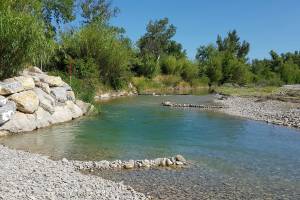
<point>30,176</point>
<point>176,161</point>
<point>271,111</point>
<point>185,105</point>
<point>35,100</point>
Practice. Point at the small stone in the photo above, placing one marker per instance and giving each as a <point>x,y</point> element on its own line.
<point>163,162</point>
<point>129,164</point>
<point>169,162</point>
<point>180,158</point>
<point>64,160</point>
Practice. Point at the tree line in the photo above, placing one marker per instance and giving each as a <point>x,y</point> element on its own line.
<point>98,52</point>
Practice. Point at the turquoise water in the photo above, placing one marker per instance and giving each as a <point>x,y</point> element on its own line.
<point>240,152</point>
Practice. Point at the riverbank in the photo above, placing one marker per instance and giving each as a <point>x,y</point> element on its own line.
<point>30,176</point>
<point>262,109</point>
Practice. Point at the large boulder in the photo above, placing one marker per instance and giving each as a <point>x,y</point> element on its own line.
<point>74,109</point>
<point>53,81</point>
<point>61,114</point>
<point>20,122</point>
<point>34,69</point>
<point>44,86</point>
<point>7,88</point>
<point>47,102</point>
<point>71,96</point>
<point>43,118</point>
<point>26,81</point>
<point>7,111</point>
<point>26,101</point>
<point>3,100</point>
<point>85,107</point>
<point>59,93</point>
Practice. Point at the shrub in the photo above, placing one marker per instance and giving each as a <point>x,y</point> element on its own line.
<point>189,70</point>
<point>22,41</point>
<point>101,49</point>
<point>169,65</point>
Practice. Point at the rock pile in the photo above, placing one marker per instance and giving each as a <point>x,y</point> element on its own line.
<point>36,100</point>
<point>176,161</point>
<point>188,105</point>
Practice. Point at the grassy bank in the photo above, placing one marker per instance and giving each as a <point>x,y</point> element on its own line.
<point>169,84</point>
<point>247,91</point>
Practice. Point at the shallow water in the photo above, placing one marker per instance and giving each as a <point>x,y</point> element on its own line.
<point>233,158</point>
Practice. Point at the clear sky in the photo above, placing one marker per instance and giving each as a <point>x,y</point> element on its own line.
<point>266,24</point>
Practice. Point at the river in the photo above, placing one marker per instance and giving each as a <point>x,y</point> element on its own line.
<point>232,158</point>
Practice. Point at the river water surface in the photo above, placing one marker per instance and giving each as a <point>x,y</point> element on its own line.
<point>232,158</point>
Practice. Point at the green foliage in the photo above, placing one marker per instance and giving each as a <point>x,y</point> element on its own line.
<point>98,51</point>
<point>158,42</point>
<point>146,66</point>
<point>98,11</point>
<point>189,70</point>
<point>290,72</point>
<point>169,65</point>
<point>23,39</point>
<point>225,63</point>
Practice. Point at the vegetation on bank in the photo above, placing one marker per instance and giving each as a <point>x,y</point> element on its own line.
<point>99,55</point>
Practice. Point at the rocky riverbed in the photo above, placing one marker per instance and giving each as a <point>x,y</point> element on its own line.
<point>271,111</point>
<point>29,176</point>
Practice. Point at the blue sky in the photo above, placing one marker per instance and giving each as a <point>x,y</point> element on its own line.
<point>266,24</point>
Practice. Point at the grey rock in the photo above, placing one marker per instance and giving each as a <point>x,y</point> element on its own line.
<point>20,122</point>
<point>53,81</point>
<point>43,118</point>
<point>169,162</point>
<point>47,102</point>
<point>61,114</point>
<point>180,158</point>
<point>10,88</point>
<point>44,86</point>
<point>3,101</point>
<point>74,109</point>
<point>71,96</point>
<point>129,164</point>
<point>163,162</point>
<point>7,111</point>
<point>85,107</point>
<point>59,93</point>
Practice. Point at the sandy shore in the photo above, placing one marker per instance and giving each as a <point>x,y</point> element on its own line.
<point>30,176</point>
<point>271,111</point>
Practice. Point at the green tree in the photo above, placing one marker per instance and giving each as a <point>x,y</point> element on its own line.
<point>98,11</point>
<point>157,39</point>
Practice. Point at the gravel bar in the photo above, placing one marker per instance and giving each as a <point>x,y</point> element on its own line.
<point>25,176</point>
<point>271,111</point>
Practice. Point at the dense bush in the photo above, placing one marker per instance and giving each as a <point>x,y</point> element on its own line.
<point>23,41</point>
<point>98,51</point>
